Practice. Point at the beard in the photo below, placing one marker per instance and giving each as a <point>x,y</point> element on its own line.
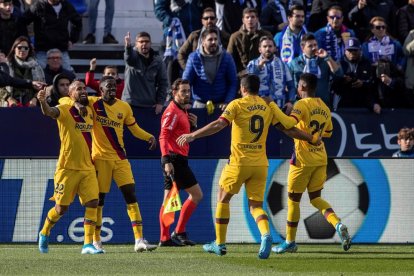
<point>84,101</point>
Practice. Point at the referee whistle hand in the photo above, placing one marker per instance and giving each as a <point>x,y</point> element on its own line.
<point>153,143</point>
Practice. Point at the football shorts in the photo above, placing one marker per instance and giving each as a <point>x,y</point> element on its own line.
<point>118,170</point>
<point>308,177</point>
<point>183,175</point>
<point>68,183</point>
<point>254,179</point>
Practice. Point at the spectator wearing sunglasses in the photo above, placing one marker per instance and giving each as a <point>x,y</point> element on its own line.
<point>332,37</point>
<point>365,10</point>
<point>23,65</point>
<point>380,45</point>
<point>208,20</point>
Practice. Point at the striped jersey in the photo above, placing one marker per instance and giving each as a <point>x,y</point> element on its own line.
<point>312,116</point>
<point>75,137</point>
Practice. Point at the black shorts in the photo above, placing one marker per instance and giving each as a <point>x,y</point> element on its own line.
<point>183,175</point>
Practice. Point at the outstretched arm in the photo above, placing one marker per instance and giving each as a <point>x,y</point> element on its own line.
<point>207,130</point>
<point>296,133</point>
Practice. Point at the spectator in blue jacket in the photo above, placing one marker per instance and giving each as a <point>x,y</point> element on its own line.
<point>382,46</point>
<point>211,72</point>
<point>332,37</point>
<point>275,79</point>
<point>318,62</point>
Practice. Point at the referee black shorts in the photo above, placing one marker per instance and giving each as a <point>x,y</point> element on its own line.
<point>183,175</point>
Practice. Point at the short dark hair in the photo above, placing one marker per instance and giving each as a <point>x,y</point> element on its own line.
<point>104,79</point>
<point>295,8</point>
<point>307,37</point>
<point>266,37</point>
<point>311,82</point>
<point>176,84</point>
<point>111,67</point>
<point>209,9</point>
<point>250,10</point>
<point>335,6</point>
<point>251,83</point>
<point>206,32</point>
<point>143,34</point>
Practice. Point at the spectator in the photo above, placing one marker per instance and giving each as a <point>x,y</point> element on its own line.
<point>211,72</point>
<point>355,89</point>
<point>318,62</point>
<point>320,8</point>
<point>389,87</point>
<point>108,38</point>
<point>275,79</point>
<point>54,66</point>
<point>274,16</point>
<point>230,13</point>
<point>11,27</point>
<point>405,20</point>
<point>244,44</point>
<point>23,65</point>
<point>332,37</point>
<point>382,46</point>
<point>145,74</point>
<point>109,70</point>
<point>188,12</point>
<point>3,63</point>
<point>208,20</point>
<point>59,89</point>
<point>409,71</point>
<point>406,143</point>
<point>362,13</point>
<point>51,28</point>
<point>288,40</point>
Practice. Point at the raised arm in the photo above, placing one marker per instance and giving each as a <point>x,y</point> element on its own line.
<point>52,112</point>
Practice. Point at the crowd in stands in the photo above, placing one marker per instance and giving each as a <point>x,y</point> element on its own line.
<point>362,51</point>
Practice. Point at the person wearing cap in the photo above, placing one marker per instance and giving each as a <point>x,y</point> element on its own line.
<point>355,88</point>
<point>332,37</point>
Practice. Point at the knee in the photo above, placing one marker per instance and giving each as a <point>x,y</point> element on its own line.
<point>61,209</point>
<point>92,204</point>
<point>197,196</point>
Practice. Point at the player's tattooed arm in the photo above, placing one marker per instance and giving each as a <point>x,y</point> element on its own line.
<point>46,108</point>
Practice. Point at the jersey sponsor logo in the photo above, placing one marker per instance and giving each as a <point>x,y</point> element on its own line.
<point>83,126</point>
<point>107,122</point>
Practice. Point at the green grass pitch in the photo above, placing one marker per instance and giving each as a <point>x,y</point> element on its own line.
<point>241,259</point>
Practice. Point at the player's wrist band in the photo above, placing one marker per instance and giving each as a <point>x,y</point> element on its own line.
<point>165,159</point>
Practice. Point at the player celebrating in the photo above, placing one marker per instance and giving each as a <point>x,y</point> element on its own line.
<point>174,122</point>
<point>308,165</point>
<point>109,156</point>
<point>75,173</point>
<point>250,117</point>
